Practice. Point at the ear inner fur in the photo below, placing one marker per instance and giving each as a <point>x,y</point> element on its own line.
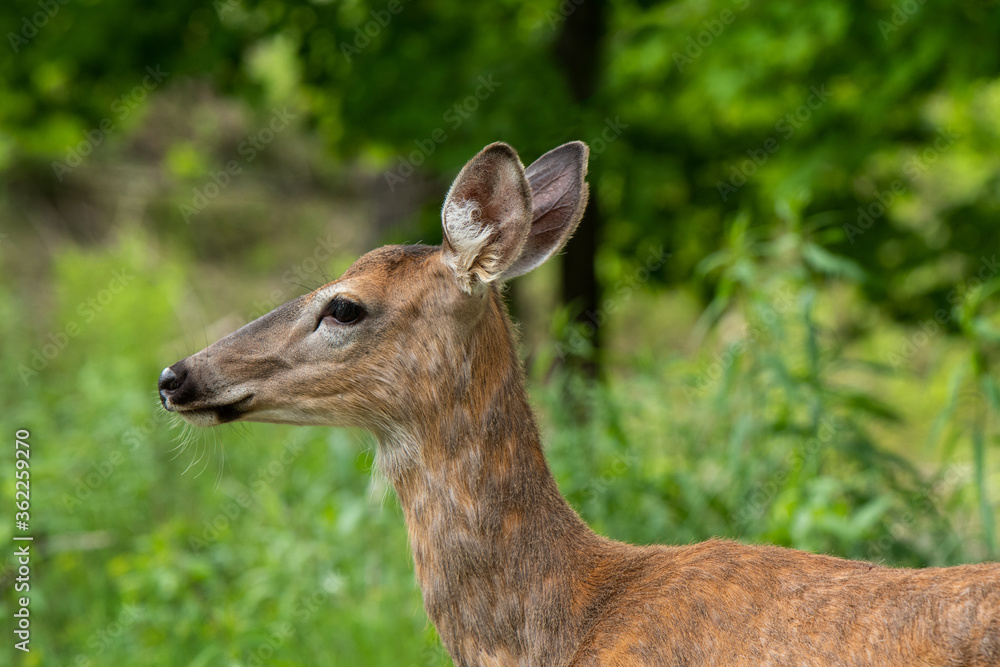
<point>486,217</point>
<point>559,198</point>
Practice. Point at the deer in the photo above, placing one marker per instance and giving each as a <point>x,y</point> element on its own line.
<point>414,344</point>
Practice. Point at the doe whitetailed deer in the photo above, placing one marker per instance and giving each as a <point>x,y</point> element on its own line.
<point>414,344</point>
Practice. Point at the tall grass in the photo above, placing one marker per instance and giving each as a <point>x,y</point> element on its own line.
<point>276,545</point>
<point>789,425</point>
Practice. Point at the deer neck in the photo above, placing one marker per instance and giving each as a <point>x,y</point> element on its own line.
<point>497,550</point>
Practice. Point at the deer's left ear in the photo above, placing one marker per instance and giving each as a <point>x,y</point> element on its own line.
<point>486,217</point>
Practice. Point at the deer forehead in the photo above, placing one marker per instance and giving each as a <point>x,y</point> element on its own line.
<point>409,278</point>
<point>392,262</point>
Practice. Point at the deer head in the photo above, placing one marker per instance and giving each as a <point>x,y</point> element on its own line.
<point>395,337</point>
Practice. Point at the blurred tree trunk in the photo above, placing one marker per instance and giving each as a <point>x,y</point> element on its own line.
<point>578,53</point>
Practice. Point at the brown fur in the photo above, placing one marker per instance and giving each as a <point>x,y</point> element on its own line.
<point>510,574</point>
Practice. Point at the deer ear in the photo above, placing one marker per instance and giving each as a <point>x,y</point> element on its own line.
<point>486,217</point>
<point>559,197</point>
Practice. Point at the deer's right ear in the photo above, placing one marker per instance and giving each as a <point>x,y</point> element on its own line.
<point>486,217</point>
<point>559,197</point>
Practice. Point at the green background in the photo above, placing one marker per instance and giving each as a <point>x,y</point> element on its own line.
<point>778,323</point>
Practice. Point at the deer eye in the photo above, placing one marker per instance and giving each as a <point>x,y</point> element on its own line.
<point>344,311</point>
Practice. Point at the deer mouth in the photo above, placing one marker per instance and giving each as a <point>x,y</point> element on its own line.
<point>215,414</point>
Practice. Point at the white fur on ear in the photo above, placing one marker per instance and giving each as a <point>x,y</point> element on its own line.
<point>470,259</point>
<point>486,217</point>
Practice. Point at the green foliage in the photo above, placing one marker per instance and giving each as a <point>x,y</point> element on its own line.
<point>213,548</point>
<point>768,435</point>
<point>700,109</point>
<point>800,313</point>
<point>267,544</point>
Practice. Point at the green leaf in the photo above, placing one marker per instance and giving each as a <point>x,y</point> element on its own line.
<point>828,263</point>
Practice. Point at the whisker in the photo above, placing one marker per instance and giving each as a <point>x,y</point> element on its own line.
<point>194,461</point>
<point>186,436</point>
<point>222,466</point>
<point>208,459</point>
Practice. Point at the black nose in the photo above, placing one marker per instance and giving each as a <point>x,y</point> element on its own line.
<point>170,381</point>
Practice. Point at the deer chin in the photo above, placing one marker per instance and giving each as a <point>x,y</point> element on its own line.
<point>214,415</point>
